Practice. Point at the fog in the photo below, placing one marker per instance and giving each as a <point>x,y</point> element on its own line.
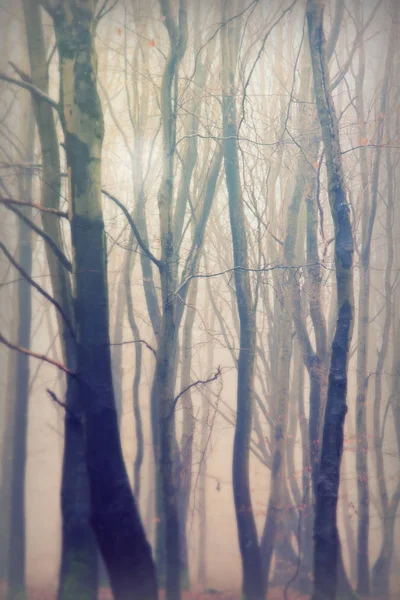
<point>199,266</point>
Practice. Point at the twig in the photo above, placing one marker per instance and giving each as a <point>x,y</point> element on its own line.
<point>240,268</point>
<point>63,405</point>
<point>43,357</point>
<point>195,383</point>
<point>136,342</point>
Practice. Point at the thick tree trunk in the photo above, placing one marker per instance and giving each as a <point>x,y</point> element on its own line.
<point>78,569</point>
<point>326,537</point>
<point>17,557</point>
<point>253,579</point>
<point>114,515</point>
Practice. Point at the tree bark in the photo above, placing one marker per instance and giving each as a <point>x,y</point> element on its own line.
<point>113,512</point>
<point>326,537</point>
<point>78,569</point>
<point>253,579</point>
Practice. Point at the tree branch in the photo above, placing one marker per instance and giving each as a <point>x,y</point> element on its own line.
<point>43,357</point>
<point>36,92</point>
<point>57,252</point>
<point>37,287</point>
<point>136,342</point>
<point>132,223</point>
<point>195,383</point>
<point>63,405</point>
<point>240,268</point>
<point>54,211</point>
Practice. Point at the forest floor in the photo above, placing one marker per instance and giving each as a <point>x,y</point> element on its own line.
<point>211,594</point>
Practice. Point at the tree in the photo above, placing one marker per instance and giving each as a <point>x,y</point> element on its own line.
<point>113,512</point>
<point>253,578</point>
<point>326,538</point>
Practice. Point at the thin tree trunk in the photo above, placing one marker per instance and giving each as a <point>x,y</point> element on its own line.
<point>326,537</point>
<point>369,213</point>
<point>381,568</point>
<point>117,351</point>
<point>204,438</point>
<point>188,429</point>
<point>17,540</point>
<point>253,580</point>
<point>278,472</point>
<point>137,376</point>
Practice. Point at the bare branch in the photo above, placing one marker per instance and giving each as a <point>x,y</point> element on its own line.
<point>240,268</point>
<point>195,383</point>
<point>63,405</point>
<point>136,342</point>
<point>49,241</point>
<point>37,287</point>
<point>36,92</point>
<point>132,223</point>
<point>104,10</point>
<point>53,211</point>
<point>43,357</point>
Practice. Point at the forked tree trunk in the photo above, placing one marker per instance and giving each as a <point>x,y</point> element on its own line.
<point>326,536</point>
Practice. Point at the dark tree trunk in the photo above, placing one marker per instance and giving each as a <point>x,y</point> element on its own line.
<point>114,515</point>
<point>78,570</point>
<point>326,537</point>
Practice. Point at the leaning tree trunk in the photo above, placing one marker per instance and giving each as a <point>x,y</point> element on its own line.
<point>114,515</point>
<point>326,535</point>
<point>17,554</point>
<point>253,580</point>
<point>78,569</point>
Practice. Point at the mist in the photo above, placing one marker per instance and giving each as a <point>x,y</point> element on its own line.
<point>199,292</point>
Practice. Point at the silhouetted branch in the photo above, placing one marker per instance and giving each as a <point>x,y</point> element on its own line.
<point>63,405</point>
<point>132,223</point>
<point>37,287</point>
<point>43,357</point>
<point>195,383</point>
<point>240,268</point>
<point>53,211</point>
<point>57,252</point>
<point>135,342</point>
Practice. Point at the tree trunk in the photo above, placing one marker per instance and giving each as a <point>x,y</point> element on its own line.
<point>17,557</point>
<point>253,580</point>
<point>204,438</point>
<point>188,429</point>
<point>278,472</point>
<point>114,515</point>
<point>78,569</point>
<point>326,537</point>
<point>137,376</point>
